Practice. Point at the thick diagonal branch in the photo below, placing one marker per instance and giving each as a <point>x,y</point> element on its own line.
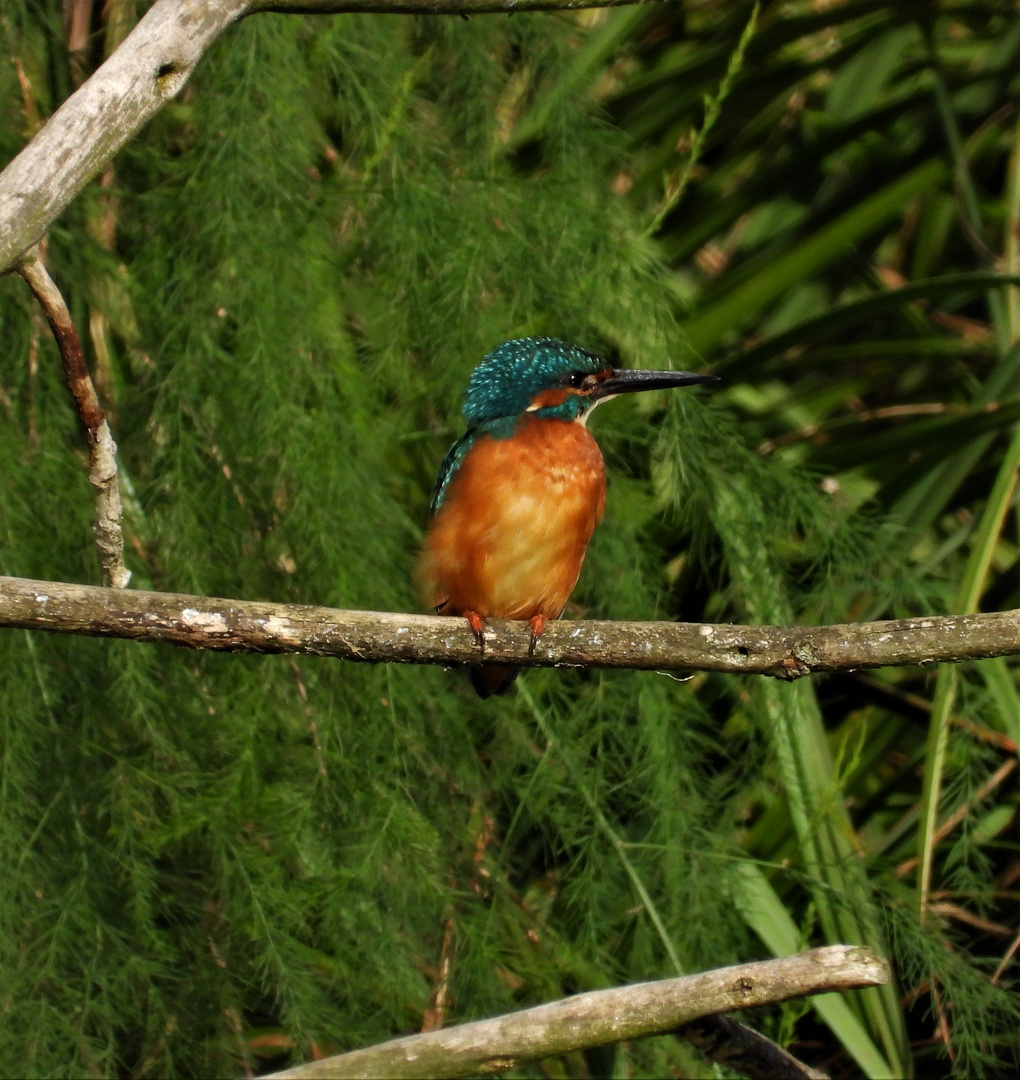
<point>148,70</point>
<point>604,1016</point>
<point>102,448</point>
<point>786,652</point>
<point>432,7</point>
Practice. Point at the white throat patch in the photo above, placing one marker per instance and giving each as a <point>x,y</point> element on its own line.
<point>583,418</point>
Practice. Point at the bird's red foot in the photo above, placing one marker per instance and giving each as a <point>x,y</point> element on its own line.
<point>477,624</point>
<point>537,623</point>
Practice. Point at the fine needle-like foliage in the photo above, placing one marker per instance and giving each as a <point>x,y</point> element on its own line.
<point>215,865</point>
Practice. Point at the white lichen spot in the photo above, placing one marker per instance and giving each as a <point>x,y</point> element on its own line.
<point>41,598</point>
<point>706,631</point>
<point>402,630</point>
<point>282,629</point>
<point>211,622</point>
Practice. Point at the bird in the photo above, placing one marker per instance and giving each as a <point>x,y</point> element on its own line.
<point>519,494</point>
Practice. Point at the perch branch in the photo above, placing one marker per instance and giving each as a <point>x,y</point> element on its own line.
<point>787,652</point>
<point>603,1016</point>
<point>145,72</point>
<point>102,448</point>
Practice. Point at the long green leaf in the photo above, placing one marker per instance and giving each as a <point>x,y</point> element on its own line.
<point>967,600</point>
<point>707,327</point>
<point>843,315</point>
<point>814,790</point>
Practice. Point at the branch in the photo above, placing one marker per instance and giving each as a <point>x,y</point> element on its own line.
<point>786,652</point>
<point>151,66</point>
<point>149,69</point>
<point>102,448</point>
<point>603,1016</point>
<point>432,7</point>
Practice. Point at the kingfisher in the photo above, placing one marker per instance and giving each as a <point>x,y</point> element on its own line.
<point>519,494</point>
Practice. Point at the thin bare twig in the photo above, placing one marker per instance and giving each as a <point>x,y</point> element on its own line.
<point>102,448</point>
<point>435,1014</point>
<point>1009,954</point>
<point>961,812</point>
<point>32,438</point>
<point>923,705</point>
<point>943,1029</point>
<point>954,911</point>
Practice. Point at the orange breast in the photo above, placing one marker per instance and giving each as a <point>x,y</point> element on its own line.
<point>510,537</point>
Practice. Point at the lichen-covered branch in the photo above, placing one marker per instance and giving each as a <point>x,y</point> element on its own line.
<point>102,448</point>
<point>146,71</point>
<point>433,7</point>
<point>603,1016</point>
<point>787,652</point>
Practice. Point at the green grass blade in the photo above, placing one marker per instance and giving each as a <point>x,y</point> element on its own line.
<point>844,315</point>
<point>968,598</point>
<point>841,890</point>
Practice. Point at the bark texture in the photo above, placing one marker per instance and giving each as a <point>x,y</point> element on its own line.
<point>149,69</point>
<point>786,652</point>
<point>604,1016</point>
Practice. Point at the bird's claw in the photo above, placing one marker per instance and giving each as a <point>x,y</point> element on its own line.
<point>477,624</point>
<point>537,623</point>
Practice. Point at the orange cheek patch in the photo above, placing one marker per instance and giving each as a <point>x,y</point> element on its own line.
<point>546,399</point>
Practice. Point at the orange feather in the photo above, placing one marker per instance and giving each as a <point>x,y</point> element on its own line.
<point>510,537</point>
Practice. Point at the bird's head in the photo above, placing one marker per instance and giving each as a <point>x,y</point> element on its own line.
<point>554,380</point>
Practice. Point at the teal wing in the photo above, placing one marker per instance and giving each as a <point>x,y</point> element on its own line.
<point>448,470</point>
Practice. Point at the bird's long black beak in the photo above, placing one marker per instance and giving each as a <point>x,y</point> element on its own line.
<point>630,380</point>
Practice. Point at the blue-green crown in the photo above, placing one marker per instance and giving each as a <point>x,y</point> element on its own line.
<point>507,380</point>
<point>503,386</point>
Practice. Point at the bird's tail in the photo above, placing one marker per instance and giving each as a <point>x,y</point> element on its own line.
<point>492,679</point>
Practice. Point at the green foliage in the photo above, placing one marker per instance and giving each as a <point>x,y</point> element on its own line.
<point>224,863</point>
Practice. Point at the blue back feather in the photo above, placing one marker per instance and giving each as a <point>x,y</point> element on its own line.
<point>451,463</point>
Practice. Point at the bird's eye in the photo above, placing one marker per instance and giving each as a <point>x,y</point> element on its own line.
<point>576,379</point>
